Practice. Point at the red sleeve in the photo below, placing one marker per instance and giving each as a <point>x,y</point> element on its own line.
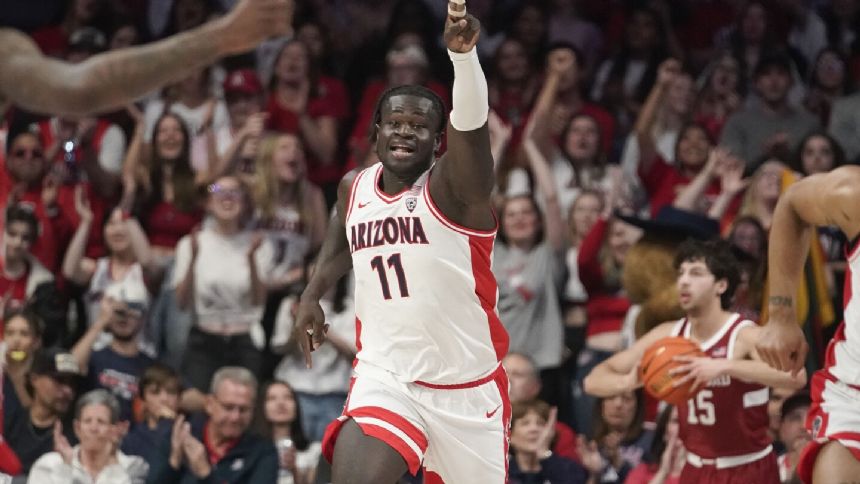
<point>565,442</point>
<point>656,175</point>
<point>639,475</point>
<point>590,272</point>
<point>332,100</point>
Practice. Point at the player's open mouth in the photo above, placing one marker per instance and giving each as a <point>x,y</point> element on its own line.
<point>401,151</point>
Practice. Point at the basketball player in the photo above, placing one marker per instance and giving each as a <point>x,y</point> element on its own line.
<point>418,232</point>
<point>41,84</point>
<point>831,198</point>
<point>724,427</point>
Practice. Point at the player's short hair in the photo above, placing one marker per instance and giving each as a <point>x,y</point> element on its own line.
<point>718,257</point>
<point>23,213</point>
<point>408,90</point>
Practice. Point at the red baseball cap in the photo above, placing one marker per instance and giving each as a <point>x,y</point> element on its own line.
<point>242,81</point>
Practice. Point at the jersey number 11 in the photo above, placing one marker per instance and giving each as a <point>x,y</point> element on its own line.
<point>394,263</point>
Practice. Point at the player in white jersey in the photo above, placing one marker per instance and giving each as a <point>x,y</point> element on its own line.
<point>834,419</point>
<point>429,391</point>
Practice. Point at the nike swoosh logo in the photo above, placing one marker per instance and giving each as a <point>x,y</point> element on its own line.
<point>362,205</point>
<point>490,414</point>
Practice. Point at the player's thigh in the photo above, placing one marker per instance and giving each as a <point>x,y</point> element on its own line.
<point>361,459</point>
<point>835,463</point>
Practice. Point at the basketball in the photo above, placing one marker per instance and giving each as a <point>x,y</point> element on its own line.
<point>655,366</point>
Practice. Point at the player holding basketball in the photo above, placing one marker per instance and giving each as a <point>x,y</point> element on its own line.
<point>724,426</point>
<point>418,232</point>
<point>834,419</point>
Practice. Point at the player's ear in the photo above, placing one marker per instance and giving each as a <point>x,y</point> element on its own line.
<point>722,286</point>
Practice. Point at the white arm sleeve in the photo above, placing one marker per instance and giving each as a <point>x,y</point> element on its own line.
<point>470,100</point>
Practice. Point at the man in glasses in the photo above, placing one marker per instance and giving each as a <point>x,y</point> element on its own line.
<point>219,448</point>
<point>26,181</point>
<point>41,84</point>
<point>118,366</point>
<point>52,384</point>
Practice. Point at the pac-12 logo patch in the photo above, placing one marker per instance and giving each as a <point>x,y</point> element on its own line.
<point>816,426</point>
<point>411,202</point>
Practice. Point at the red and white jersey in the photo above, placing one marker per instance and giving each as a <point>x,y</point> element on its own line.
<point>425,295</point>
<point>843,353</point>
<point>728,417</point>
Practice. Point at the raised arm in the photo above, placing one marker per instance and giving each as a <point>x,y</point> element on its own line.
<point>553,222</point>
<point>39,83</point>
<point>644,126</point>
<point>74,268</point>
<point>620,373</point>
<point>831,198</point>
<point>333,262</point>
<point>463,179</point>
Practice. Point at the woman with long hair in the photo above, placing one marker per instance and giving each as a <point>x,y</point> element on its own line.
<point>620,434</point>
<point>22,336</point>
<point>281,420</point>
<point>666,457</point>
<point>220,277</point>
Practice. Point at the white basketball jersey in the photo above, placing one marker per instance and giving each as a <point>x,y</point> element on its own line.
<point>843,353</point>
<point>425,295</point>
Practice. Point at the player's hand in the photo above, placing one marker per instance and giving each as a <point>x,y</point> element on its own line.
<point>253,21</point>
<point>461,35</point>
<point>310,328</point>
<point>700,370</point>
<point>782,346</point>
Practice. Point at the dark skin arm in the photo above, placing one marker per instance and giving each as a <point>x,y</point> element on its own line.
<point>333,262</point>
<point>39,83</point>
<point>463,179</point>
<point>824,199</point>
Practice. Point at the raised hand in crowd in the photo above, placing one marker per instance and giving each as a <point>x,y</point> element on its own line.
<point>61,443</point>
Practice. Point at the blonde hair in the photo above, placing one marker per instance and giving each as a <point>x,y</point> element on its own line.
<point>267,188</point>
<point>749,202</point>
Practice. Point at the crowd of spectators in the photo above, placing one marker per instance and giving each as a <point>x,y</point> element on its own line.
<point>152,257</point>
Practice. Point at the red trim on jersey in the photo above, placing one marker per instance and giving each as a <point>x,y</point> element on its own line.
<point>847,289</point>
<point>352,190</point>
<point>384,196</point>
<point>454,225</point>
<point>394,419</point>
<point>357,341</point>
<point>502,383</point>
<point>459,386</point>
<point>431,477</point>
<point>849,254</point>
<point>487,291</point>
<point>413,461</point>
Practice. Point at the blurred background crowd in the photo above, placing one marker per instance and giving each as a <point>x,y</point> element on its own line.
<point>152,257</point>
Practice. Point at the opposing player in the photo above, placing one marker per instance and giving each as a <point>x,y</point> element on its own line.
<point>418,232</point>
<point>42,84</point>
<point>724,426</point>
<point>827,199</point>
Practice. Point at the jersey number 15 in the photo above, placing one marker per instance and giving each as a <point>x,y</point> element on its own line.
<point>701,409</point>
<point>378,265</point>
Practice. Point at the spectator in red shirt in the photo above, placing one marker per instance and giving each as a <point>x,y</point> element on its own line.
<point>26,180</point>
<point>299,104</point>
<point>161,186</point>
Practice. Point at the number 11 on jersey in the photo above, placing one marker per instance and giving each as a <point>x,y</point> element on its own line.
<point>394,263</point>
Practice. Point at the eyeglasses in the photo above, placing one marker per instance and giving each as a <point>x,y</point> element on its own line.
<point>221,191</point>
<point>34,153</point>
<point>229,407</point>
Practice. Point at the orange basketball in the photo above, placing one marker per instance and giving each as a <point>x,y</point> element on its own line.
<point>655,366</point>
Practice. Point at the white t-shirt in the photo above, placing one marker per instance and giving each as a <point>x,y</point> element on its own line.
<point>222,278</point>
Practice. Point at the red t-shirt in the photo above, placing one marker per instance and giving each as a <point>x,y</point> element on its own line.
<point>331,100</point>
<point>165,224</point>
<point>55,231</point>
<point>52,41</point>
<point>211,451</point>
<point>16,288</point>
<point>663,183</point>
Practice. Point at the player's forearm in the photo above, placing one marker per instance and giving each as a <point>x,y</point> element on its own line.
<point>788,246</point>
<point>759,372</point>
<point>111,79</point>
<point>604,382</point>
<point>469,97</point>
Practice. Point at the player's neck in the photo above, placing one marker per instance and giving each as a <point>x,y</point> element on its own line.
<point>706,322</point>
<point>392,183</point>
<point>280,431</point>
